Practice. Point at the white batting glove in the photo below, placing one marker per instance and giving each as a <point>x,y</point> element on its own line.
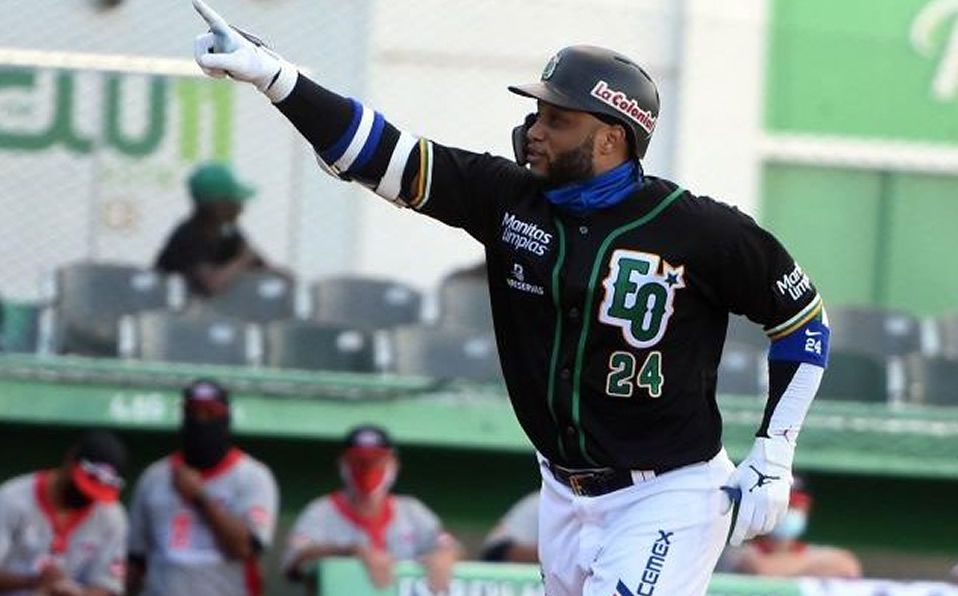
<point>764,480</point>
<point>225,50</point>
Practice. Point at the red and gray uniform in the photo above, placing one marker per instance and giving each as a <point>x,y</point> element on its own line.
<point>89,546</point>
<point>520,525</point>
<point>180,549</point>
<point>407,529</point>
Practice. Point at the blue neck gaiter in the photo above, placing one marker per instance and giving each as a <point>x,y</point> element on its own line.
<point>600,191</point>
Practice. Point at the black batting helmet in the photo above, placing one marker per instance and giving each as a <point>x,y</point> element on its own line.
<point>603,83</point>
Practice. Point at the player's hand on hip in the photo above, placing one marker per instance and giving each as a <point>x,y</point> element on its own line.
<point>764,480</point>
<point>225,50</point>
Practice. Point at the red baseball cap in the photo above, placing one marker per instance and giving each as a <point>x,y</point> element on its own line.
<point>368,439</point>
<point>206,396</point>
<point>98,461</point>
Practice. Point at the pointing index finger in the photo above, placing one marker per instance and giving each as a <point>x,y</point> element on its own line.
<point>217,23</point>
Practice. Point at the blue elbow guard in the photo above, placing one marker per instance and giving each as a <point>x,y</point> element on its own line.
<point>808,343</point>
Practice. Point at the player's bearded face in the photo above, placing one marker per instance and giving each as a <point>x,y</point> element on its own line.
<point>561,145</point>
<point>574,165</point>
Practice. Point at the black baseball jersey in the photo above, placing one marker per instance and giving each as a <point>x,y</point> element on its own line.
<point>610,326</point>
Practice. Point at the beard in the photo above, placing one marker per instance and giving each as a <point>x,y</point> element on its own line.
<point>572,166</point>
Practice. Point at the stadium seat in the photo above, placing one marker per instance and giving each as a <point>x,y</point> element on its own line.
<point>742,370</point>
<point>318,346</point>
<point>21,327</point>
<point>260,296</point>
<point>874,331</point>
<point>464,304</point>
<point>170,337</point>
<point>445,353</point>
<point>853,376</point>
<point>743,331</point>
<point>947,327</point>
<point>90,298</point>
<point>365,303</point>
<point>931,381</point>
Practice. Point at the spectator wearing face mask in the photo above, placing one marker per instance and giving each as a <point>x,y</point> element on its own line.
<point>201,517</point>
<point>782,553</point>
<point>209,249</point>
<point>366,520</point>
<point>62,530</point>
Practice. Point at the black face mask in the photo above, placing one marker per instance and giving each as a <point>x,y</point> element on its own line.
<point>205,443</point>
<point>73,498</point>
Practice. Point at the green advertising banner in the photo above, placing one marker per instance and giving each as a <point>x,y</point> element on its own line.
<point>347,576</point>
<point>880,69</point>
<point>94,163</point>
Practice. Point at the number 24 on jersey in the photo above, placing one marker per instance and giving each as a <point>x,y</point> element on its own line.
<point>625,374</point>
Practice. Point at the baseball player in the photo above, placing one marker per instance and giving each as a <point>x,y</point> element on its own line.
<point>515,538</point>
<point>367,521</point>
<point>62,531</point>
<point>610,291</point>
<point>201,517</point>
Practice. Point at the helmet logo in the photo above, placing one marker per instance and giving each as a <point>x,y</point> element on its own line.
<point>550,68</point>
<point>625,105</point>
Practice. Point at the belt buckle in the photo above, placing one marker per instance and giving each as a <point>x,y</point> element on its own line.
<point>575,483</point>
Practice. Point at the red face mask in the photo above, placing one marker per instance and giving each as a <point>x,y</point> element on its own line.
<point>368,469</point>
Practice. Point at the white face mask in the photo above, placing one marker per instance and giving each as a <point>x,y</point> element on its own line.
<point>792,526</point>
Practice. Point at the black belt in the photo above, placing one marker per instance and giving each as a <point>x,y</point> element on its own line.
<point>593,482</point>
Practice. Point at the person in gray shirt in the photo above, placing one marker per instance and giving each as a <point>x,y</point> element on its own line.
<point>62,531</point>
<point>365,520</point>
<point>201,517</point>
<point>515,539</point>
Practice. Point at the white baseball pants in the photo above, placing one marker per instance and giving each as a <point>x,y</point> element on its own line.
<point>660,536</point>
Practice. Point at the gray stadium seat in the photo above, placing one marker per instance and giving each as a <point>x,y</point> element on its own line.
<point>853,376</point>
<point>743,331</point>
<point>931,381</point>
<point>947,326</point>
<point>90,298</point>
<point>875,331</point>
<point>169,337</point>
<point>742,370</point>
<point>445,353</point>
<point>365,303</point>
<point>259,296</point>
<point>318,346</point>
<point>464,304</point>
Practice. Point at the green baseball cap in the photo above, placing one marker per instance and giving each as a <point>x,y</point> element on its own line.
<point>212,182</point>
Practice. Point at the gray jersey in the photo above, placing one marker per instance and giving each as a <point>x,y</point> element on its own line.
<point>90,547</point>
<point>412,529</point>
<point>181,553</point>
<point>520,525</point>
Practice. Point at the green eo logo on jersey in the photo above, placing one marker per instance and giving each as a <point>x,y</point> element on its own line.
<point>638,297</point>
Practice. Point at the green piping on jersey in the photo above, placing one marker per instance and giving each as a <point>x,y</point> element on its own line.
<point>557,337</point>
<point>580,352</point>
